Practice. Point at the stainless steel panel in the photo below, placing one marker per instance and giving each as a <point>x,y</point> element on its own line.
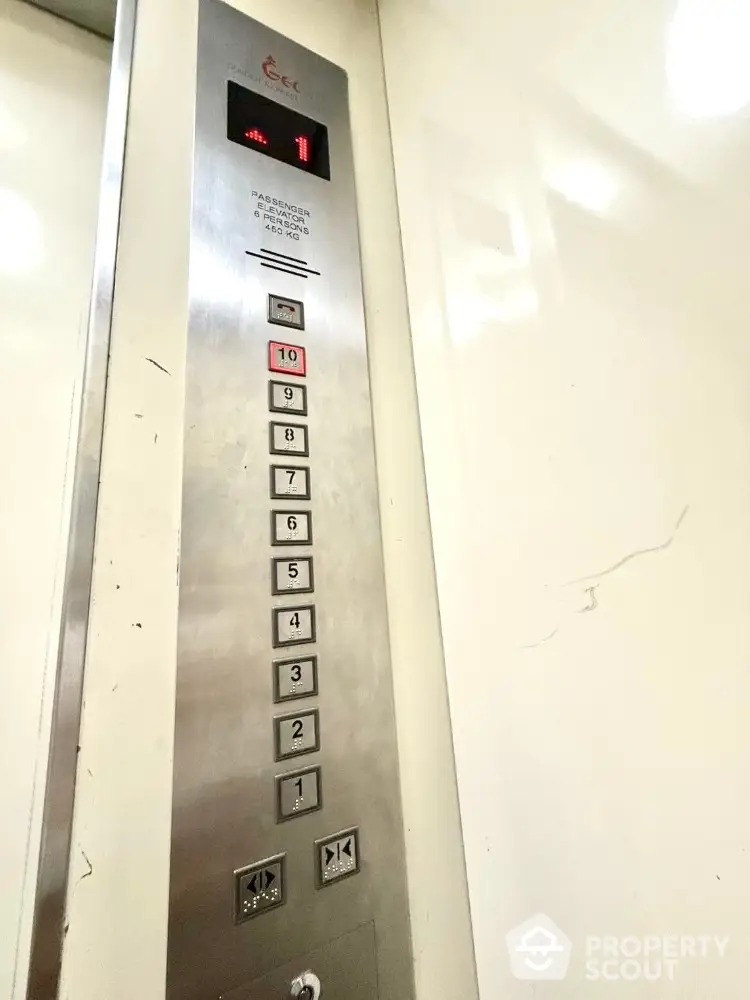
<point>57,821</point>
<point>346,968</point>
<point>232,803</point>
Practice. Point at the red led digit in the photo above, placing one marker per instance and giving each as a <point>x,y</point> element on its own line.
<point>257,136</point>
<point>303,148</point>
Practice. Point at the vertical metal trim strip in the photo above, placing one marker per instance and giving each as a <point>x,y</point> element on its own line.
<point>57,820</point>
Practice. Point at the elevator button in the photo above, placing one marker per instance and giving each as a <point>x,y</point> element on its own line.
<point>292,575</point>
<point>296,733</point>
<point>293,625</point>
<point>291,527</point>
<point>286,312</point>
<point>337,856</point>
<point>295,678</point>
<point>289,358</point>
<point>289,482</point>
<point>297,793</point>
<point>259,887</point>
<point>283,397</point>
<point>288,439</point>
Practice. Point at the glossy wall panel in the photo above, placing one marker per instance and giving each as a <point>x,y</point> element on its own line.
<point>575,235</point>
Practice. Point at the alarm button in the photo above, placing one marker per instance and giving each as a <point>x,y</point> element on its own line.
<point>286,312</point>
<point>288,358</point>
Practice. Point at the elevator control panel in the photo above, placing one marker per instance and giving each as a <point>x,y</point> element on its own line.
<point>287,838</point>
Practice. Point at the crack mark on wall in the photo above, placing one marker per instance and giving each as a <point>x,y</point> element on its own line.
<point>593,602</point>
<point>636,554</point>
<point>533,645</point>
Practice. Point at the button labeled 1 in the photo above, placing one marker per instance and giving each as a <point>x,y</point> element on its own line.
<point>290,574</point>
<point>298,793</point>
<point>337,856</point>
<point>288,439</point>
<point>291,626</point>
<point>291,527</point>
<point>289,358</point>
<point>258,887</point>
<point>296,733</point>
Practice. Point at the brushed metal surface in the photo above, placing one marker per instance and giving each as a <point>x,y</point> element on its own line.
<point>346,968</point>
<point>57,820</point>
<point>229,795</point>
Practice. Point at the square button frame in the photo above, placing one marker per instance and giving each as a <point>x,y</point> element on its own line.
<point>352,831</point>
<point>287,717</point>
<point>297,427</point>
<point>297,590</point>
<point>278,698</point>
<point>279,643</point>
<point>280,818</point>
<point>298,387</point>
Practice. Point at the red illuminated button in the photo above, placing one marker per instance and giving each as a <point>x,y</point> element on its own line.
<point>286,358</point>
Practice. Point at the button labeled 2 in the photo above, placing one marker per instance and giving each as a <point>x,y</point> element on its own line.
<point>295,678</point>
<point>297,793</point>
<point>291,527</point>
<point>296,734</point>
<point>288,439</point>
<point>288,358</point>
<point>291,626</point>
<point>292,575</point>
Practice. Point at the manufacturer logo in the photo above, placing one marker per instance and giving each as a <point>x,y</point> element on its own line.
<point>271,73</point>
<point>538,949</point>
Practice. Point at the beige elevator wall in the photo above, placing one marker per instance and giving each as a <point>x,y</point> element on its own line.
<point>53,91</point>
<point>115,947</point>
<point>572,186</point>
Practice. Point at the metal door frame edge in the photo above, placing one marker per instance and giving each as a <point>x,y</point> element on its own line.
<point>57,819</point>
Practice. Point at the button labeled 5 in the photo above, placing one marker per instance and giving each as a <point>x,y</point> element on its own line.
<point>292,574</point>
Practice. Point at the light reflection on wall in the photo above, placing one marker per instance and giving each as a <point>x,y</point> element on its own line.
<point>707,63</point>
<point>20,234</point>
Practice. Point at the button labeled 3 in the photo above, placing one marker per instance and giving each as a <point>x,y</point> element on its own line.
<point>288,439</point>
<point>337,856</point>
<point>293,625</point>
<point>295,678</point>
